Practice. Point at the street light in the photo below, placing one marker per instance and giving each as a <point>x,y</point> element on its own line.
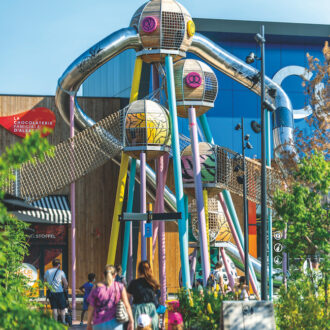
<point>260,39</point>
<point>242,180</point>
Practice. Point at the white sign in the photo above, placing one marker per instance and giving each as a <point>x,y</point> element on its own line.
<point>278,247</point>
<point>30,272</point>
<point>278,235</point>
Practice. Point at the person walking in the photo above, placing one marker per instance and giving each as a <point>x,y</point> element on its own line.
<point>55,277</point>
<point>86,289</point>
<point>103,301</point>
<point>119,275</point>
<point>144,291</point>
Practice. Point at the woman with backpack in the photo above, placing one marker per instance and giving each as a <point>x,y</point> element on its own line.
<point>103,301</point>
<point>144,291</point>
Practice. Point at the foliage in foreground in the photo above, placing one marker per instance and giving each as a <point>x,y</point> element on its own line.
<point>201,311</point>
<point>300,307</point>
<point>17,309</point>
<point>303,211</point>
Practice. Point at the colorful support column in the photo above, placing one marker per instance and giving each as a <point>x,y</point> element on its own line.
<point>162,167</point>
<point>237,241</point>
<point>230,277</point>
<point>143,203</point>
<point>270,222</point>
<point>206,128</point>
<point>149,243</point>
<point>206,205</point>
<point>73,218</point>
<point>199,195</point>
<point>129,208</point>
<point>123,173</point>
<point>183,232</point>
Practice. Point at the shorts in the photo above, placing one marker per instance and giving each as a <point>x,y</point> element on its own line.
<point>85,305</point>
<point>57,300</point>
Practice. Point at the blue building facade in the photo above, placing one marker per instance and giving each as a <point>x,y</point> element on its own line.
<point>287,45</point>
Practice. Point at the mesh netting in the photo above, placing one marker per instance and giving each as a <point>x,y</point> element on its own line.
<point>173,30</point>
<point>218,226</point>
<point>229,167</point>
<point>72,158</point>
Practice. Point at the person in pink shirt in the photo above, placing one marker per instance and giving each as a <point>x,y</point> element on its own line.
<point>103,301</point>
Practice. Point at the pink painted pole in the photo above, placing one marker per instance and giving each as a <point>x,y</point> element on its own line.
<point>238,244</point>
<point>73,218</point>
<point>199,195</point>
<point>230,277</point>
<point>143,204</point>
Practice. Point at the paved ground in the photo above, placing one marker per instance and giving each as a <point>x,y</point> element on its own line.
<point>77,326</point>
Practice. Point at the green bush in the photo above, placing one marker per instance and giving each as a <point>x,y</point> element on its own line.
<point>17,309</point>
<point>200,311</point>
<point>300,307</point>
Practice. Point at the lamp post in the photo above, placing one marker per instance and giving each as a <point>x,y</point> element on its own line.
<point>260,39</point>
<point>242,180</point>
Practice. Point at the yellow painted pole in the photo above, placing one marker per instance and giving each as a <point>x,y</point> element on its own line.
<point>206,207</point>
<point>149,242</point>
<point>123,173</point>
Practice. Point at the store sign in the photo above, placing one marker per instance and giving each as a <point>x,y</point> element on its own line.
<point>30,272</point>
<point>23,123</point>
<point>48,234</point>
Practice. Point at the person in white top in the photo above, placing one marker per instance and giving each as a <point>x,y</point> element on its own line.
<point>57,280</point>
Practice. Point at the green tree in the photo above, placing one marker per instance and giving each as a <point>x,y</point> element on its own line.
<point>17,309</point>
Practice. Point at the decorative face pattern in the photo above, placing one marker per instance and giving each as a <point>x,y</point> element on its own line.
<point>149,24</point>
<point>193,79</point>
<point>208,168</point>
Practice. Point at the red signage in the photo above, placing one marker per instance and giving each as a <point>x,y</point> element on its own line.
<point>23,123</point>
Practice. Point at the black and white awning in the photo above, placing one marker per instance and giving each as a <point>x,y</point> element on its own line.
<point>53,209</point>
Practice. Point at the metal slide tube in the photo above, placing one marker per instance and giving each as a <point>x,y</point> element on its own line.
<point>183,232</point>
<point>248,76</point>
<point>85,65</point>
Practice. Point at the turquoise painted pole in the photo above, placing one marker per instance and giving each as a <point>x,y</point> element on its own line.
<point>227,197</point>
<point>129,208</point>
<point>183,232</point>
<point>270,222</point>
<point>186,212</point>
<point>206,128</point>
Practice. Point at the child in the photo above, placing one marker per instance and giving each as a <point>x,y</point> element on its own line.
<point>86,289</point>
<point>242,289</point>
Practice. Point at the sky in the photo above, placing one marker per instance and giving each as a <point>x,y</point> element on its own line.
<point>40,38</point>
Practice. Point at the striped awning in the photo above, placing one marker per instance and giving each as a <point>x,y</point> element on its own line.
<point>54,209</point>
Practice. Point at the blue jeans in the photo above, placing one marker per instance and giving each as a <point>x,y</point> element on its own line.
<point>109,325</point>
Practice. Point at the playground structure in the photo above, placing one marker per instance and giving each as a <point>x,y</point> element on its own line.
<point>161,32</point>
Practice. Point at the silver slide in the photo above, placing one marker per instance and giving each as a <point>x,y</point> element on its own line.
<point>233,253</point>
<point>206,49</point>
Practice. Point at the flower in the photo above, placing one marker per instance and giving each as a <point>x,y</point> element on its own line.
<point>209,308</point>
<point>217,288</point>
<point>191,302</point>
